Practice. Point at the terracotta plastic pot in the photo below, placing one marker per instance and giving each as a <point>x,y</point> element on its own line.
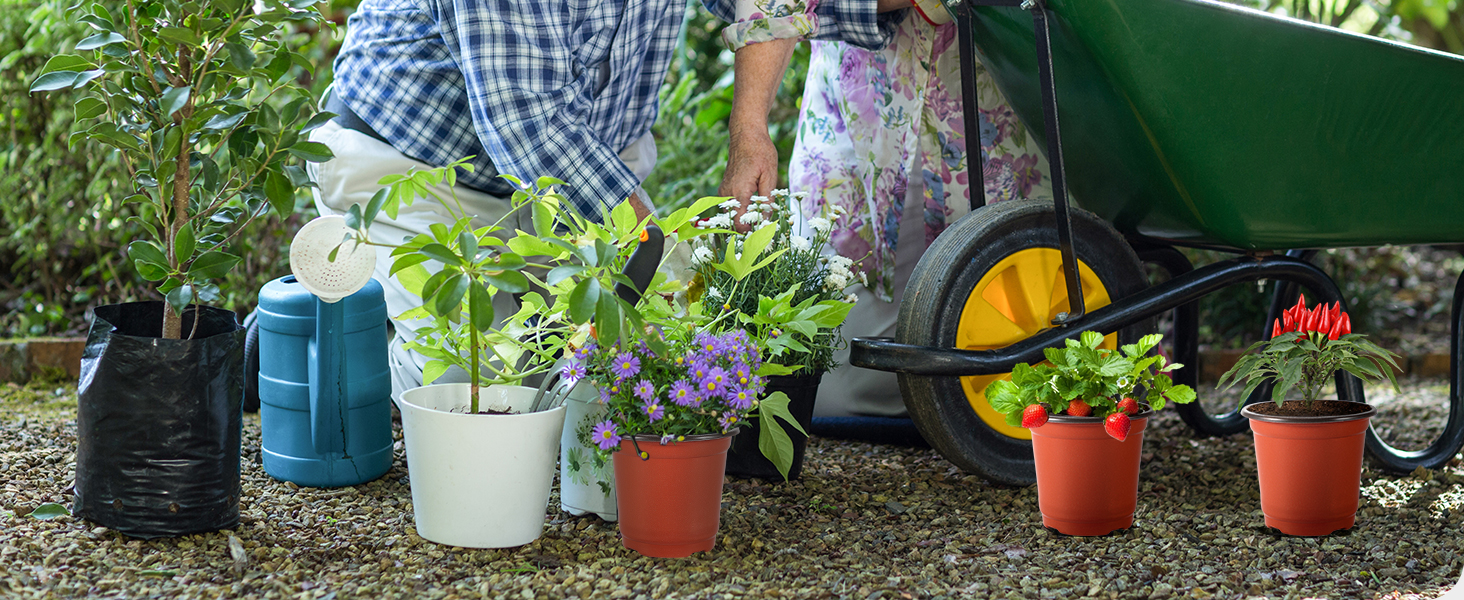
<point>1310,469</point>
<point>670,502</point>
<point>1087,482</point>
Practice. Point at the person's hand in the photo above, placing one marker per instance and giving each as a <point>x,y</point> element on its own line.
<point>752,168</point>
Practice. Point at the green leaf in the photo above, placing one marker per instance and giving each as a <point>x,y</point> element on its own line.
<point>67,62</point>
<point>180,298</point>
<point>175,98</point>
<point>99,40</point>
<point>312,151</point>
<point>224,121</point>
<point>315,122</point>
<point>582,300</point>
<point>772,440</point>
<point>480,305</point>
<point>1092,339</point>
<point>607,319</point>
<point>442,254</point>
<point>89,107</point>
<point>512,282</point>
<point>563,272</point>
<point>212,265</point>
<point>148,252</point>
<point>468,245</point>
<point>280,193</point>
<point>54,81</point>
<point>405,261</point>
<point>433,370</point>
<point>774,369</point>
<point>50,510</point>
<point>181,35</point>
<point>450,295</point>
<point>1181,394</point>
<point>183,242</point>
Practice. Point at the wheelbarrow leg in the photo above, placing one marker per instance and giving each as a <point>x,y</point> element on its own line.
<point>1187,350</point>
<point>1443,449</point>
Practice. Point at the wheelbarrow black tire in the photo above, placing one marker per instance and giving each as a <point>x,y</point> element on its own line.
<point>931,311</point>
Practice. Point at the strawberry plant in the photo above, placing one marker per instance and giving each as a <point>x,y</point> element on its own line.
<point>1082,379</point>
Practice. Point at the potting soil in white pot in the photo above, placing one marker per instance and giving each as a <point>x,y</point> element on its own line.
<point>479,481</point>
<point>588,489</point>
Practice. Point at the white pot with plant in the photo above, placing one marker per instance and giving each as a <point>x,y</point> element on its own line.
<point>481,454</point>
<point>200,101</point>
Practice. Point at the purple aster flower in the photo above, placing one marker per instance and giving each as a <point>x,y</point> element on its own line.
<point>714,383</point>
<point>654,411</point>
<point>605,435</point>
<point>707,343</point>
<point>699,368</point>
<point>739,397</point>
<point>645,390</point>
<point>605,394</point>
<point>585,351</point>
<point>729,420</point>
<point>573,372</point>
<point>683,393</point>
<point>625,365</point>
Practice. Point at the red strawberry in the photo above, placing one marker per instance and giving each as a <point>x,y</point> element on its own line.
<point>1128,406</point>
<point>1078,408</point>
<point>1034,416</point>
<point>1117,426</point>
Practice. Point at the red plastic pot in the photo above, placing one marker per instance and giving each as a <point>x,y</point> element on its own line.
<point>670,500</point>
<point>1087,482</point>
<point>1310,469</point>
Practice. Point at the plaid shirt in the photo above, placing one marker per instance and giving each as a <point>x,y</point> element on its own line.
<point>528,74</point>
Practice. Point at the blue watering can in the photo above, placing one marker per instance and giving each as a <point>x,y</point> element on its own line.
<point>324,385</point>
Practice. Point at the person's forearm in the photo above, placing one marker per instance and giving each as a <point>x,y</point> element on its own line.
<point>758,69</point>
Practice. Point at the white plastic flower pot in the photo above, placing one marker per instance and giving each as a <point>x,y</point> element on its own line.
<point>586,489</point>
<point>479,481</point>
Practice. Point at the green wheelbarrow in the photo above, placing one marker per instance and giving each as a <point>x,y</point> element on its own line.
<point>1179,123</point>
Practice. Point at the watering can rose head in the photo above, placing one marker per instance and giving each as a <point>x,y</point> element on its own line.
<point>1083,379</point>
<point>1307,347</point>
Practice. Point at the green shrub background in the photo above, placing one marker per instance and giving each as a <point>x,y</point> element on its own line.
<point>63,231</point>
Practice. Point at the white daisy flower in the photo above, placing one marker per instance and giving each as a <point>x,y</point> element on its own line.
<point>864,278</point>
<point>714,292</point>
<point>701,256</point>
<point>731,204</point>
<point>836,282</point>
<point>800,196</point>
<point>761,200</point>
<point>722,221</point>
<point>799,242</point>
<point>750,218</point>
<point>820,224</point>
<point>852,298</point>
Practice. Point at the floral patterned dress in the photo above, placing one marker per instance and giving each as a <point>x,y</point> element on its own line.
<point>878,122</point>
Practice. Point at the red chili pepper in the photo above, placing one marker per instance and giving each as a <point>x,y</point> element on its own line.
<point>1346,324</point>
<point>1324,320</point>
<point>1277,329</point>
<point>1336,330</point>
<point>1336,310</point>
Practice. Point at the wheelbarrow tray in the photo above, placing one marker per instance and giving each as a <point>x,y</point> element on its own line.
<point>1205,124</point>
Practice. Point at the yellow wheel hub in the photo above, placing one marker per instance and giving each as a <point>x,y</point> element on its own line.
<point>1014,300</point>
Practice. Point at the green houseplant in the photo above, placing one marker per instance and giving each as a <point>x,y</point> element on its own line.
<point>796,302</point>
<point>186,93</point>
<point>1087,426</point>
<point>1309,451</point>
<point>462,439</point>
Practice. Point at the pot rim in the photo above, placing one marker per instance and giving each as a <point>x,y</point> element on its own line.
<point>1296,420</point>
<point>700,437</point>
<point>1144,413</point>
<point>402,398</point>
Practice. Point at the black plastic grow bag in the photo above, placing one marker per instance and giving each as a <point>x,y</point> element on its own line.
<point>159,422</point>
<point>746,460</point>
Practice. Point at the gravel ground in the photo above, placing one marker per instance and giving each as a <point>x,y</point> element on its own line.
<point>867,521</point>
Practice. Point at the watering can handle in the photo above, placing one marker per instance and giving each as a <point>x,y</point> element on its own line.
<point>327,379</point>
<point>641,268</point>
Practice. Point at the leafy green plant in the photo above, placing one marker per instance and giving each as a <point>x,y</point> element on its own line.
<point>781,287</point>
<point>1099,379</point>
<point>1307,347</point>
<point>181,91</point>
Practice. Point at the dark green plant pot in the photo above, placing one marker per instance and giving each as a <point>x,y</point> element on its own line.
<point>159,422</point>
<point>746,460</point>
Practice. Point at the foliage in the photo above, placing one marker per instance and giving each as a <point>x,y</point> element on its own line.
<point>1437,24</point>
<point>1098,376</point>
<point>790,294</point>
<point>1305,350</point>
<point>179,90</point>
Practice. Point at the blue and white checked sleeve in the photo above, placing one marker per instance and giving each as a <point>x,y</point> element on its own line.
<point>530,99</point>
<point>857,23</point>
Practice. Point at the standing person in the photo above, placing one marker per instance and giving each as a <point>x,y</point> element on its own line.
<point>881,135</point>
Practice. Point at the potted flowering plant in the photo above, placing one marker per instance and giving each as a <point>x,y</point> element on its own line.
<point>796,302</point>
<point>1309,451</point>
<point>1087,426</point>
<point>482,453</point>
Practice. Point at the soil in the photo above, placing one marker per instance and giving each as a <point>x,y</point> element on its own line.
<point>1319,408</point>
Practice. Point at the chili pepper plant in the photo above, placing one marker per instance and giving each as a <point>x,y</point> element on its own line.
<point>1306,349</point>
<point>1082,379</point>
